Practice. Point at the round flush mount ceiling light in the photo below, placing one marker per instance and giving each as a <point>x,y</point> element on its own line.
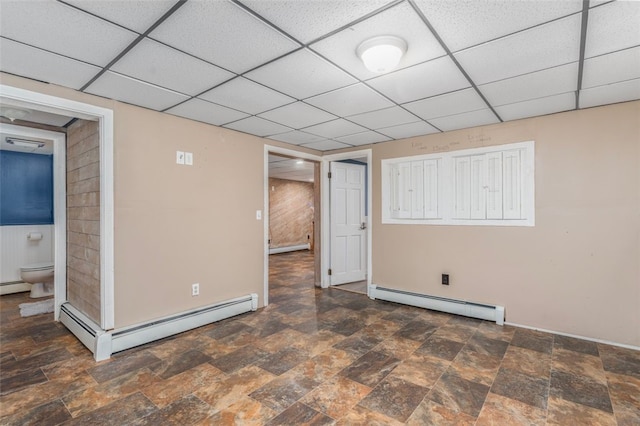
<point>13,113</point>
<point>381,54</point>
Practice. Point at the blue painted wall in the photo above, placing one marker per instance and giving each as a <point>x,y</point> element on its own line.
<point>26,188</point>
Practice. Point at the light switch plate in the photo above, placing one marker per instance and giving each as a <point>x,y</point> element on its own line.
<point>179,157</point>
<point>258,214</point>
<point>188,158</point>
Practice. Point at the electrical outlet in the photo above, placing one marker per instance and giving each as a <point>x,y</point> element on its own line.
<point>195,289</point>
<point>445,279</point>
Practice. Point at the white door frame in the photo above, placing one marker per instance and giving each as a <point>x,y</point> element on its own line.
<point>326,211</point>
<point>265,212</point>
<point>14,96</point>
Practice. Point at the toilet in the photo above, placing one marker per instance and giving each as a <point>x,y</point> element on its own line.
<point>40,276</point>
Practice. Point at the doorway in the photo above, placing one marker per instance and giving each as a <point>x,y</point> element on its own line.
<point>292,217</point>
<point>346,199</point>
<point>38,102</point>
<point>40,236</point>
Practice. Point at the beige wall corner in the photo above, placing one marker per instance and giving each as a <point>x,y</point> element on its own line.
<point>578,270</point>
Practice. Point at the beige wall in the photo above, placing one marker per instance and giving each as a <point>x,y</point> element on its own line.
<point>577,270</point>
<point>178,225</point>
<point>291,212</point>
<point>83,217</point>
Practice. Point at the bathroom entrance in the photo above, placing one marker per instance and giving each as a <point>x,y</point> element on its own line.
<point>32,216</point>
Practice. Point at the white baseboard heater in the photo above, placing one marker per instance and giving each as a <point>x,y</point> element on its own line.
<point>290,248</point>
<point>104,343</point>
<point>452,306</point>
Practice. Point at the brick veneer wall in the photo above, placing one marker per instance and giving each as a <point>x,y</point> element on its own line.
<point>290,212</point>
<point>83,217</point>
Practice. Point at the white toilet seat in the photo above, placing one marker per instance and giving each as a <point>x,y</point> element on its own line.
<point>32,267</point>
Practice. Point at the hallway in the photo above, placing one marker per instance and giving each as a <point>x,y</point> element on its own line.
<point>317,357</point>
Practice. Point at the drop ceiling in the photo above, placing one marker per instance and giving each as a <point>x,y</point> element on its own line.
<point>287,70</point>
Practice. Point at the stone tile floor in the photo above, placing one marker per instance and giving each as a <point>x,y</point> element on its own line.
<point>317,357</point>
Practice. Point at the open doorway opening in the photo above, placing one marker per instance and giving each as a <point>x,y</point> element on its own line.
<point>293,219</point>
<point>38,105</point>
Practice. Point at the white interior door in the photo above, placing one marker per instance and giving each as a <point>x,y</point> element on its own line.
<point>348,223</point>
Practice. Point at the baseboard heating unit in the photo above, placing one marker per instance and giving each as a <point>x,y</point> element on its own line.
<point>452,306</point>
<point>290,248</point>
<point>104,343</point>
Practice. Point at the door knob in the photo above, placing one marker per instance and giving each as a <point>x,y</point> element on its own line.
<point>363,226</point>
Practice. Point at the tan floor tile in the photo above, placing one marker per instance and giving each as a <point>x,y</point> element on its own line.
<point>432,413</point>
<point>245,411</point>
<point>625,397</point>
<point>95,397</point>
<point>167,391</point>
<point>527,361</point>
<point>499,410</point>
<point>336,396</point>
<point>325,365</point>
<point>364,417</point>
<point>398,347</point>
<point>563,412</point>
<point>224,390</point>
<point>420,369</point>
<point>580,364</point>
<point>477,367</point>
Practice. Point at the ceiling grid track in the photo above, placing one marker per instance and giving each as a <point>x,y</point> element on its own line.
<point>138,39</point>
<point>583,45</point>
<point>453,58</point>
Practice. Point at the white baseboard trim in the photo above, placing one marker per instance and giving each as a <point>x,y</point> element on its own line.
<point>14,287</point>
<point>104,343</point>
<point>290,248</point>
<point>87,331</point>
<point>591,339</point>
<point>452,306</point>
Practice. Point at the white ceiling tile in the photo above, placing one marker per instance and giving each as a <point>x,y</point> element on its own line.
<point>400,21</point>
<point>612,27</point>
<point>364,138</point>
<point>421,81</point>
<point>448,104</point>
<point>158,64</point>
<point>296,137</point>
<point>410,130</point>
<point>301,74</point>
<point>611,68</point>
<point>610,94</point>
<point>335,128</point>
<point>224,34</point>
<point>534,85</point>
<point>62,29</point>
<point>541,106</point>
<point>258,126</point>
<point>298,115</point>
<point>464,23</point>
<point>308,20</point>
<point>247,96</point>
<point>199,110</point>
<point>326,145</point>
<point>20,59</point>
<point>465,120</point>
<point>122,88</point>
<point>546,46</point>
<point>350,100</point>
<point>134,14</point>
<point>383,118</point>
